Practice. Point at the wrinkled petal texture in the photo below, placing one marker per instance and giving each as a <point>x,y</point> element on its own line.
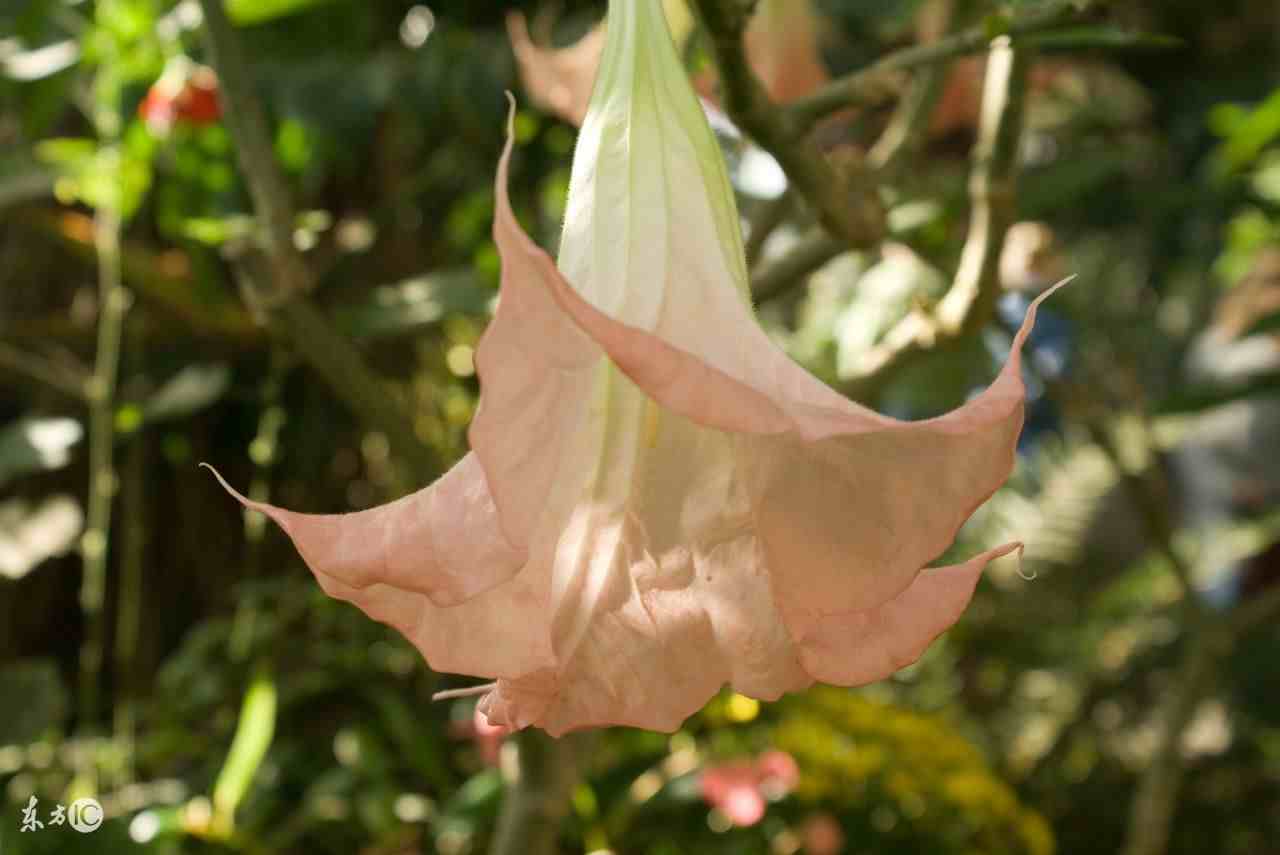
<point>660,502</point>
<point>773,535</point>
<point>405,564</point>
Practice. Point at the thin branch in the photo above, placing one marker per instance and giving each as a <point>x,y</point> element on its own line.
<point>134,533</point>
<point>970,303</point>
<point>1152,811</point>
<point>247,120</point>
<point>775,279</point>
<point>846,204</point>
<point>1208,645</point>
<point>907,129</point>
<point>114,300</point>
<point>281,295</point>
<point>905,134</point>
<point>878,83</point>
<point>771,215</point>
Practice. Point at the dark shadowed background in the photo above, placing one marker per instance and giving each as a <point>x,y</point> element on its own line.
<point>171,657</point>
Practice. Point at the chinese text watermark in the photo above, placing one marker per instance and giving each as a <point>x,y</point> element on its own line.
<point>84,815</point>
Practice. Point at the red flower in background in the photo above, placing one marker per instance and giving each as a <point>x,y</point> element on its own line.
<point>822,835</point>
<point>185,94</point>
<point>741,788</point>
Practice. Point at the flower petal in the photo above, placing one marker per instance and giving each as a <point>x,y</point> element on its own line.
<point>434,565</point>
<point>849,504</point>
<point>411,543</point>
<point>536,375</point>
<point>663,599</point>
<point>862,647</point>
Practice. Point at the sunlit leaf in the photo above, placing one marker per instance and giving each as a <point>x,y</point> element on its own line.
<point>253,737</point>
<point>192,389</point>
<point>248,12</point>
<point>37,445</point>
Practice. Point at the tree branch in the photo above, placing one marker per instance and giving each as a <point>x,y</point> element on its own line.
<point>846,204</point>
<point>970,302</point>
<point>537,793</point>
<point>114,301</point>
<point>765,223</point>
<point>879,82</point>
<point>1151,813</point>
<point>908,128</point>
<point>813,250</point>
<point>283,298</point>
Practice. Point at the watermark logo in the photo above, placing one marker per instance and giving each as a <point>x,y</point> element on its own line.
<point>30,820</point>
<point>84,815</point>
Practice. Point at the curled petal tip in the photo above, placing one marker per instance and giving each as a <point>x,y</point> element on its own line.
<point>1020,549</point>
<point>239,497</point>
<point>1052,289</point>
<point>1030,319</point>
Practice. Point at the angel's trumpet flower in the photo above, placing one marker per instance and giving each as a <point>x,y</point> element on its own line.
<point>658,501</point>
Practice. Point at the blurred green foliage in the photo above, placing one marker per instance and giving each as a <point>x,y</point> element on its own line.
<point>253,714</point>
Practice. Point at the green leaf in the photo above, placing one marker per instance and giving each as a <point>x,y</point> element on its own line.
<point>1108,38</point>
<point>249,12</point>
<point>192,389</point>
<point>37,64</point>
<point>1250,134</point>
<point>248,749</point>
<point>215,231</point>
<point>37,445</point>
<point>29,536</point>
<point>67,152</point>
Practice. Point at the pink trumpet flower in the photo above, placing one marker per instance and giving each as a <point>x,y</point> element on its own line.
<point>658,501</point>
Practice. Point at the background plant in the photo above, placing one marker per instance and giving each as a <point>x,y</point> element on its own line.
<point>308,323</point>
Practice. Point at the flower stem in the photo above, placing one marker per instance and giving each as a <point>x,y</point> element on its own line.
<point>114,304</point>
<point>538,788</point>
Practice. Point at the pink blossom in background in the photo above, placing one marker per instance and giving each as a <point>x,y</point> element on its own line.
<point>734,789</point>
<point>781,45</point>
<point>558,80</point>
<point>740,789</point>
